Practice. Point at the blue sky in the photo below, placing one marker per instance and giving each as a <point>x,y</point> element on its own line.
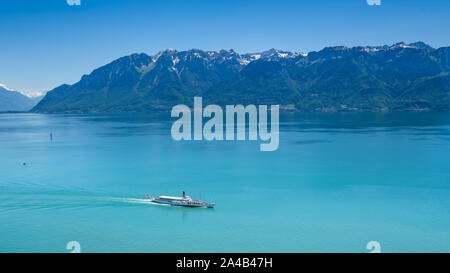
<point>48,43</point>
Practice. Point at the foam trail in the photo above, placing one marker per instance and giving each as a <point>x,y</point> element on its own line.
<point>130,200</point>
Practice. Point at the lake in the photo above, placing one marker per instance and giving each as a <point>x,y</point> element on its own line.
<point>337,181</point>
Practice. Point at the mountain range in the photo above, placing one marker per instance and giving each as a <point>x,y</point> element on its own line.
<point>399,77</point>
<point>14,101</point>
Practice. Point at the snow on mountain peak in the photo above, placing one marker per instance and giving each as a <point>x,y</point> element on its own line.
<point>6,87</point>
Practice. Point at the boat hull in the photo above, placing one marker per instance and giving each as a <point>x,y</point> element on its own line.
<point>189,204</point>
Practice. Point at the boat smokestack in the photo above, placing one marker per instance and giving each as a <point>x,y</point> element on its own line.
<point>184,194</point>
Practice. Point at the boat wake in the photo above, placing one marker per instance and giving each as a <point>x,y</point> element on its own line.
<point>128,200</point>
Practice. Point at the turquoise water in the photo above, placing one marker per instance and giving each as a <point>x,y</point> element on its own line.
<point>336,182</point>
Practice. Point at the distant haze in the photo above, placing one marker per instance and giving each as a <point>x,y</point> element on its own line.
<point>11,100</point>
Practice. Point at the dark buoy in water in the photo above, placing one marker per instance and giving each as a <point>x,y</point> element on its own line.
<point>24,163</point>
